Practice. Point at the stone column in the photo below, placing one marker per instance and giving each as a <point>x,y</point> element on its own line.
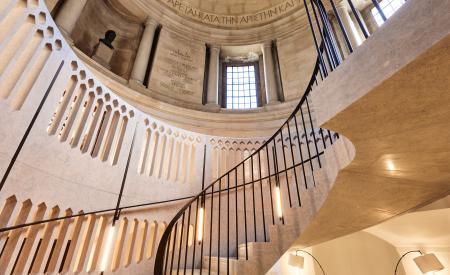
<point>143,53</point>
<point>69,14</point>
<point>269,77</point>
<point>349,26</point>
<point>213,76</point>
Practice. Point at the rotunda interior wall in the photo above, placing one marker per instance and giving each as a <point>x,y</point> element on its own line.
<point>297,57</point>
<point>177,74</point>
<point>177,77</point>
<point>76,151</point>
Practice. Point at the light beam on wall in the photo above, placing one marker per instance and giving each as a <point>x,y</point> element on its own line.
<point>107,248</point>
<point>201,214</point>
<point>278,202</point>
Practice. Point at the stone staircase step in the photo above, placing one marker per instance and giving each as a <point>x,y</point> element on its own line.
<point>233,263</point>
<point>193,272</point>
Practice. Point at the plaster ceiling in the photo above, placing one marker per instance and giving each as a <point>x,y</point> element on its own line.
<point>419,229</point>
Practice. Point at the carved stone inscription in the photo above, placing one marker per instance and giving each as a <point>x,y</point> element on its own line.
<point>178,68</point>
<point>265,16</point>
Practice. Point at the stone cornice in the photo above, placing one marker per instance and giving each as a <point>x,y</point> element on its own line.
<point>168,18</point>
<point>250,123</point>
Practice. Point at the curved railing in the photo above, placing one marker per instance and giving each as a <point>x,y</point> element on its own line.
<point>35,58</point>
<point>243,202</point>
<point>239,206</point>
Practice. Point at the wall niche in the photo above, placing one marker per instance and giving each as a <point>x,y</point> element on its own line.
<point>99,16</point>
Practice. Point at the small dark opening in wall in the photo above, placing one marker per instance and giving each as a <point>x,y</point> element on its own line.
<point>152,56</point>
<point>206,75</point>
<point>278,77</point>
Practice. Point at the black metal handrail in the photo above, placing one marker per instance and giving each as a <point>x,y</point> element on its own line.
<point>199,201</point>
<point>291,155</point>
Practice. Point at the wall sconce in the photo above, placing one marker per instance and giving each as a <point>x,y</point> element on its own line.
<point>299,261</point>
<point>427,263</point>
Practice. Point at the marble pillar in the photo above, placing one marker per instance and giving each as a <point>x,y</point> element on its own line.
<point>269,77</point>
<point>213,76</point>
<point>349,26</point>
<point>143,53</point>
<point>69,14</point>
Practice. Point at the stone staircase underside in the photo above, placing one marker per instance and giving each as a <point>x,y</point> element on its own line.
<point>398,122</point>
<point>391,100</point>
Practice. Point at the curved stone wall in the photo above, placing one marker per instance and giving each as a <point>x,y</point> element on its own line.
<point>162,88</point>
<point>77,134</point>
<point>149,76</point>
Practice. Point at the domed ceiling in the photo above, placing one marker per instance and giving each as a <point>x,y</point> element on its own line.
<point>233,7</point>
<point>233,13</point>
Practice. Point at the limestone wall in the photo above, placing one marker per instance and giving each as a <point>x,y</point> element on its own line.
<point>98,17</point>
<point>76,147</point>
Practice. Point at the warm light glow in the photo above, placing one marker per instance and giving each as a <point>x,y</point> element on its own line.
<point>390,165</point>
<point>107,248</point>
<point>278,201</point>
<point>201,213</point>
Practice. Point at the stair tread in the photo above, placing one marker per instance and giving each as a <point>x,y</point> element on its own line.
<point>221,257</point>
<point>193,272</point>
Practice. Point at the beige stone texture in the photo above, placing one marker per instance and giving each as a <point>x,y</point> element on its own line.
<point>178,68</point>
<point>393,108</point>
<point>98,17</point>
<point>103,55</point>
<point>76,152</point>
<point>297,55</point>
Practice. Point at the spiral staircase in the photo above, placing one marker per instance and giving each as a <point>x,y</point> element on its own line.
<point>386,152</point>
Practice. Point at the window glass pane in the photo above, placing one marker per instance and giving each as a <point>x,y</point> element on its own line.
<point>240,86</point>
<point>389,7</point>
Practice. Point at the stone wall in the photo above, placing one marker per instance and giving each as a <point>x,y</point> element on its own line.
<point>178,68</point>
<point>97,17</point>
<point>297,56</point>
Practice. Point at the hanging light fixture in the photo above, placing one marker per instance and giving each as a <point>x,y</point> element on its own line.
<point>298,261</point>
<point>427,263</point>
